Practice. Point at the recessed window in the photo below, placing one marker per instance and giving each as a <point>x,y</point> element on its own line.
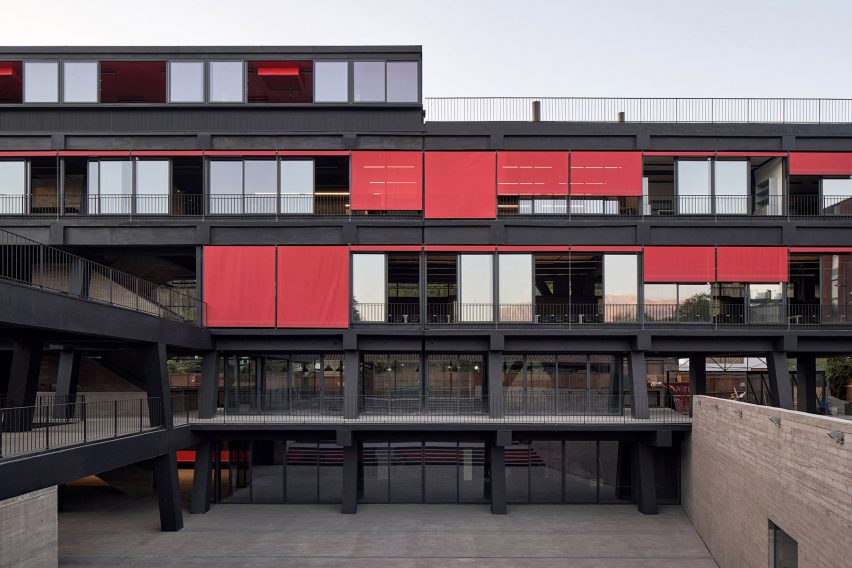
<point>261,188</point>
<point>280,82</point>
<point>226,186</point>
<point>476,285</point>
<point>402,81</point>
<point>332,81</point>
<point>110,187</point>
<point>80,82</point>
<point>11,82</point>
<point>152,186</point>
<point>297,186</point>
<point>186,81</point>
<point>693,186</point>
<point>133,81</point>
<point>368,287</point>
<point>41,82</point>
<point>731,185</point>
<point>369,81</point>
<point>226,82</point>
<point>783,549</point>
<point>13,187</point>
<point>516,287</point>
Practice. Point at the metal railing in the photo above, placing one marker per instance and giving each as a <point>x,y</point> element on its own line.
<point>703,312</point>
<point>30,263</point>
<point>53,423</point>
<point>510,406</point>
<point>615,109</point>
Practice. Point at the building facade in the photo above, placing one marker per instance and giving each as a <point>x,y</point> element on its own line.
<point>456,301</point>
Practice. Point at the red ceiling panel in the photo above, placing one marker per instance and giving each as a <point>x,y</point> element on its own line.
<point>532,173</point>
<point>239,286</point>
<point>313,286</point>
<point>387,181</point>
<point>679,264</point>
<point>606,173</point>
<point>751,264</point>
<point>821,163</point>
<point>461,185</point>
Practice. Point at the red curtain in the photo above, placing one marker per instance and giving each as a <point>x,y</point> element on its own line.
<point>679,264</point>
<point>751,264</point>
<point>606,174</point>
<point>387,181</point>
<point>532,173</point>
<point>239,286</point>
<point>461,185</point>
<point>821,163</point>
<point>313,286</point>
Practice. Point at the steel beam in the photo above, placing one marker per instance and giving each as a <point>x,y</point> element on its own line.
<point>168,492</point>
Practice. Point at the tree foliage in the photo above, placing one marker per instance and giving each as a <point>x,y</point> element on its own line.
<point>838,372</point>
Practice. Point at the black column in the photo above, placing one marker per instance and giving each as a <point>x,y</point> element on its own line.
<point>624,470</point>
<point>79,278</point>
<point>497,455</point>
<point>209,388</point>
<point>23,373</point>
<point>806,383</point>
<point>494,373</point>
<point>66,383</point>
<point>780,389</point>
<point>350,383</point>
<point>168,492</point>
<point>201,478</point>
<point>157,385</point>
<point>638,376</point>
<point>697,375</point>
<point>644,482</point>
<point>349,503</point>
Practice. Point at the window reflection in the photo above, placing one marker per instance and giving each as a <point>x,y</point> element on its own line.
<point>476,283</point>
<point>765,303</point>
<point>621,284</point>
<point>368,287</point>
<point>515,287</point>
<point>693,186</point>
<point>731,184</point>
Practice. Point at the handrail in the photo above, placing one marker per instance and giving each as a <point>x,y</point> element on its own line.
<point>27,262</point>
<point>639,109</point>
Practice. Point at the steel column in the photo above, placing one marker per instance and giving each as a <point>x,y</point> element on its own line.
<point>350,383</point>
<point>66,383</point>
<point>157,384</point>
<point>697,375</point>
<point>638,374</point>
<point>644,482</point>
<point>209,389</point>
<point>494,373</point>
<point>806,383</point>
<point>349,501</point>
<point>168,492</point>
<point>780,388</point>
<point>497,454</point>
<point>201,478</point>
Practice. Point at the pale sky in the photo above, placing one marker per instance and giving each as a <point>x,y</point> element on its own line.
<point>618,48</point>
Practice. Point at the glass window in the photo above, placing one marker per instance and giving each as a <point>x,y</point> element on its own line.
<point>332,81</point>
<point>731,184</point>
<point>13,187</point>
<point>402,81</point>
<point>133,82</point>
<point>114,187</point>
<point>41,82</point>
<point>11,86</point>
<point>581,472</point>
<point>186,81</point>
<point>783,549</point>
<point>765,303</point>
<point>369,81</point>
<point>226,186</point>
<point>515,289</point>
<point>694,303</point>
<point>80,82</point>
<point>297,186</point>
<point>280,81</point>
<point>660,302</point>
<point>260,185</point>
<point>226,81</point>
<point>441,472</point>
<point>152,186</point>
<point>368,287</point>
<point>693,186</point>
<point>456,376</point>
<point>836,195</point>
<point>476,297</point>
<point>621,283</point>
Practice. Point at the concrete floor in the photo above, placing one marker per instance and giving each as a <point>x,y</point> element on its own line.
<point>102,528</point>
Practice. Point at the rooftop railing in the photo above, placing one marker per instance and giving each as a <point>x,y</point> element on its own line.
<point>605,109</point>
<point>29,263</point>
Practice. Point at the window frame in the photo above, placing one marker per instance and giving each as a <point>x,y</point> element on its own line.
<point>203,98</point>
<point>349,81</point>
<point>417,86</point>
<point>24,74</point>
<point>97,85</point>
<point>243,81</point>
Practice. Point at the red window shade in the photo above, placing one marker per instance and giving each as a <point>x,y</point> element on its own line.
<point>313,286</point>
<point>821,249</point>
<point>680,264</point>
<point>533,248</point>
<point>821,163</point>
<point>605,248</point>
<point>606,173</point>
<point>459,248</point>
<point>386,248</point>
<point>751,264</point>
<point>239,286</point>
<point>532,173</point>
<point>387,181</point>
<point>461,185</point>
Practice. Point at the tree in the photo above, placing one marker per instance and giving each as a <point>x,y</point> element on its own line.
<point>838,371</point>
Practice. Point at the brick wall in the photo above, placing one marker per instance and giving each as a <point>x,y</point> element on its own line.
<point>741,472</point>
<point>28,530</point>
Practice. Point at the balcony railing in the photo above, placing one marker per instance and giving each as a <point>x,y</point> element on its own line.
<point>510,406</point>
<point>713,314</point>
<point>143,207</point>
<point>29,263</point>
<point>55,423</point>
<point>604,109</point>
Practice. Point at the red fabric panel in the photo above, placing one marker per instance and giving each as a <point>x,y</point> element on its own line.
<point>387,181</point>
<point>386,248</point>
<point>821,163</point>
<point>29,154</point>
<point>461,185</point>
<point>751,264</point>
<point>239,152</point>
<point>533,248</point>
<point>606,173</point>
<point>459,248</point>
<point>239,286</point>
<point>606,248</point>
<point>704,154</point>
<point>821,249</point>
<point>95,153</point>
<point>679,264</point>
<point>532,173</point>
<point>755,154</point>
<point>313,152</point>
<point>167,153</point>
<point>313,286</point>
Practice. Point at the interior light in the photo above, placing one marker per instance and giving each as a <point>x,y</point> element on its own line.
<point>6,71</point>
<point>279,71</point>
